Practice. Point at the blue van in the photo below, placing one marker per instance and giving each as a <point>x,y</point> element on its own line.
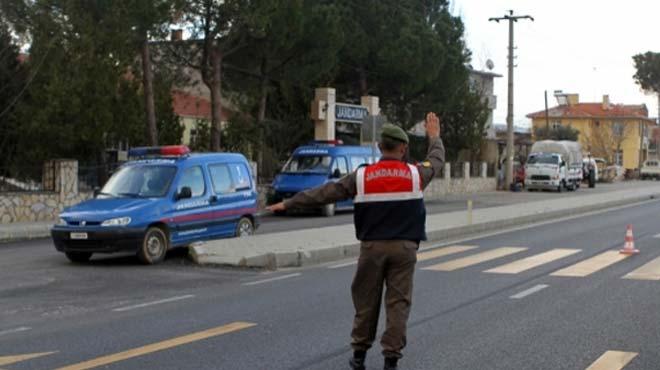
<point>316,164</point>
<point>166,198</point>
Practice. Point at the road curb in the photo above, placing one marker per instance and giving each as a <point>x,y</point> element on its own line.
<point>22,233</point>
<point>300,258</point>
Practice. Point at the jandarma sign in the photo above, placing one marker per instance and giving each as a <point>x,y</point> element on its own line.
<point>350,113</point>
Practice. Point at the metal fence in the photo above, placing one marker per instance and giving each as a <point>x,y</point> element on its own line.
<point>456,170</point>
<point>492,170</point>
<point>475,169</point>
<point>27,179</point>
<point>94,176</point>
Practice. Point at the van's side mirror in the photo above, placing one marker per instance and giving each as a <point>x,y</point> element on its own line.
<point>336,174</point>
<point>184,193</point>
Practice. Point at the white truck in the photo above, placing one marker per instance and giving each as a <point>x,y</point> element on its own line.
<point>554,165</point>
<point>650,170</point>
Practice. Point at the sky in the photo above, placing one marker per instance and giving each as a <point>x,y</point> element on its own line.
<point>577,46</point>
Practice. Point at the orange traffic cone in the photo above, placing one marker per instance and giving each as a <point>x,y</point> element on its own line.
<point>629,246</point>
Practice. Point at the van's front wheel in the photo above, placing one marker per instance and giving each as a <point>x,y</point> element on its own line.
<point>328,210</point>
<point>154,246</point>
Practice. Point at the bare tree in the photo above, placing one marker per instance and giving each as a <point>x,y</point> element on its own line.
<point>607,138</point>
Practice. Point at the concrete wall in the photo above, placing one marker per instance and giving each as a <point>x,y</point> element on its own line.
<point>60,191</point>
<point>440,188</point>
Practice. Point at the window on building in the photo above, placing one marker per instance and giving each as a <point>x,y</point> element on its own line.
<point>618,128</point>
<point>555,125</point>
<point>618,158</point>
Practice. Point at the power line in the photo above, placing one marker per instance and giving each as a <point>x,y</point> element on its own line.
<point>27,84</point>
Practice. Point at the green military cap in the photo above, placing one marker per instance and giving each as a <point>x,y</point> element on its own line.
<point>394,132</point>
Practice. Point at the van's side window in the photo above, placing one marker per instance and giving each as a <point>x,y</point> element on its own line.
<point>193,177</point>
<point>241,176</point>
<point>356,162</point>
<point>340,164</point>
<point>221,179</point>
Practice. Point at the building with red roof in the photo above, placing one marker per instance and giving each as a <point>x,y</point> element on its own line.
<point>619,133</point>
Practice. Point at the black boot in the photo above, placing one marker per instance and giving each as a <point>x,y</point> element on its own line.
<point>390,363</point>
<point>357,362</point>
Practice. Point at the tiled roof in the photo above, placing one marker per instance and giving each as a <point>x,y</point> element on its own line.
<point>595,110</point>
<point>187,105</point>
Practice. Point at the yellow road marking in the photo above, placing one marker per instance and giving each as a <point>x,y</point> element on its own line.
<point>8,360</point>
<point>440,252</point>
<point>155,347</point>
<point>612,360</point>
<point>591,265</point>
<point>650,271</point>
<point>474,259</point>
<point>528,263</point>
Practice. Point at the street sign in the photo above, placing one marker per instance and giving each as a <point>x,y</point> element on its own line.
<point>350,113</point>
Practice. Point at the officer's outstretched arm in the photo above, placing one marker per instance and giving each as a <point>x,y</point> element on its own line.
<point>331,192</point>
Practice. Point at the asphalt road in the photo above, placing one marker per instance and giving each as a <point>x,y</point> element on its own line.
<point>312,219</point>
<point>115,314</point>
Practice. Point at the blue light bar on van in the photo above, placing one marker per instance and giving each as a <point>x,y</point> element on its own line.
<point>326,142</point>
<point>165,151</point>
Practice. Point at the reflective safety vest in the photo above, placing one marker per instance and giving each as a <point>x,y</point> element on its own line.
<point>389,204</point>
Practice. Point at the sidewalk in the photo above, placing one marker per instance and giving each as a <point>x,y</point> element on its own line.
<point>24,231</point>
<point>319,245</point>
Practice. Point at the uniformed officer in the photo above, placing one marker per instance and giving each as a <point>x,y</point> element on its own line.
<point>390,222</point>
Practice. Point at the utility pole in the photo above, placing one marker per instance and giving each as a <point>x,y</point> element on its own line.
<point>509,116</point>
<point>547,118</point>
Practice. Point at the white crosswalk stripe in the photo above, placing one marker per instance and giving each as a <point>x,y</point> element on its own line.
<point>533,261</point>
<point>475,259</point>
<point>612,360</point>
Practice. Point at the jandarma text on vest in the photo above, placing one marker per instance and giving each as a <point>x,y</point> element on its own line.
<point>388,172</point>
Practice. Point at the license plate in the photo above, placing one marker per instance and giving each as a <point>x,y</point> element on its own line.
<point>79,236</point>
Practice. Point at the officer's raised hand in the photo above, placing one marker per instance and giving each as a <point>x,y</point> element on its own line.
<point>432,125</point>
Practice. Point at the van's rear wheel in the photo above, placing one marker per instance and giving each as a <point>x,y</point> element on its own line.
<point>245,227</point>
<point>328,210</point>
<point>78,257</point>
<point>154,246</point>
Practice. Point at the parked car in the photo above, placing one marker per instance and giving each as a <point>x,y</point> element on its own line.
<point>650,169</point>
<point>166,198</point>
<point>316,164</point>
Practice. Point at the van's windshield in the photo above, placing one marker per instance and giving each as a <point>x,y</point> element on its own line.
<point>140,182</point>
<point>543,159</point>
<point>308,164</point>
